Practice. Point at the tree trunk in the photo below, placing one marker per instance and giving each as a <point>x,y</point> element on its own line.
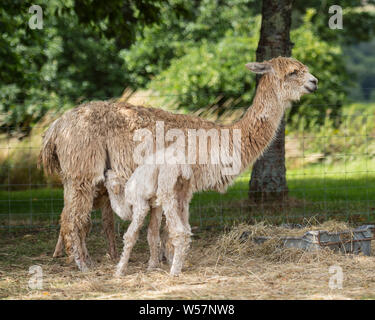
<point>268,180</point>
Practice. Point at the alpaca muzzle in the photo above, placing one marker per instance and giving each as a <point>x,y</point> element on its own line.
<point>312,84</point>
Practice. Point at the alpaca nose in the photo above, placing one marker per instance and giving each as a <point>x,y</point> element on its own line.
<point>314,81</point>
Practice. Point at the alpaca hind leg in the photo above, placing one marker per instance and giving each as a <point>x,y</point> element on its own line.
<point>109,228</point>
<point>75,224</point>
<point>153,237</point>
<point>83,235</point>
<point>59,249</point>
<point>130,237</point>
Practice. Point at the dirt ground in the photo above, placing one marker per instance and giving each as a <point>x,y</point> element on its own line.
<point>214,270</point>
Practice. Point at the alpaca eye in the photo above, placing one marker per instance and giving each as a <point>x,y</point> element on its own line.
<point>293,73</point>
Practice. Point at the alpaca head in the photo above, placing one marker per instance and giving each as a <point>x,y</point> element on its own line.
<point>290,77</point>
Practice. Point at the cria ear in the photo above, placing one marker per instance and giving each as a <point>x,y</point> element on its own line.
<point>259,67</point>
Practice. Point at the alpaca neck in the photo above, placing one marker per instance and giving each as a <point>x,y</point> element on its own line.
<point>260,122</point>
<point>258,127</point>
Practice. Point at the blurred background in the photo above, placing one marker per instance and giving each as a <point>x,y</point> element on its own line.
<point>189,57</point>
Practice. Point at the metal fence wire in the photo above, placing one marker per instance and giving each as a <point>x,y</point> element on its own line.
<point>330,175</point>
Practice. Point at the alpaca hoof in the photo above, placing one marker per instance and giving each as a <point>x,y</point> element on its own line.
<point>59,251</point>
<point>175,273</point>
<point>120,270</point>
<point>119,274</point>
<point>82,266</point>
<point>57,255</point>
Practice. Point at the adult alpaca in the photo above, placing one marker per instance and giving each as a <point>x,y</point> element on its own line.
<point>97,136</point>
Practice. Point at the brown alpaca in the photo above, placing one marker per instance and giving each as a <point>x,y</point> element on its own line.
<point>97,136</point>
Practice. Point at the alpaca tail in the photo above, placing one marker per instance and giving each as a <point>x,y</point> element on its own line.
<point>47,156</point>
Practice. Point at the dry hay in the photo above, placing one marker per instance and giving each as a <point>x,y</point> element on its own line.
<point>218,266</point>
<point>233,243</point>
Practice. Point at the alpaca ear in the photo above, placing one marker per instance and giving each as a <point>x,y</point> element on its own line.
<point>259,67</point>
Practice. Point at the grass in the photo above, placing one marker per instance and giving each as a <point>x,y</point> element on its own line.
<point>340,190</point>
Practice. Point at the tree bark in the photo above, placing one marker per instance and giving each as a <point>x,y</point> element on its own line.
<point>268,180</point>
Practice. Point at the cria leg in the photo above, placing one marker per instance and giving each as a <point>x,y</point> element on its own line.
<point>131,236</point>
<point>184,195</point>
<point>179,236</point>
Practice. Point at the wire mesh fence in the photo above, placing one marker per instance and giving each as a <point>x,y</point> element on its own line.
<point>330,174</point>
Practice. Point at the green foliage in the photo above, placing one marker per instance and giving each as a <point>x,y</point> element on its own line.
<point>209,20</point>
<point>194,49</point>
<point>358,19</point>
<point>87,66</point>
<point>359,57</point>
<point>213,73</point>
<point>118,19</point>
<point>21,60</point>
<point>326,62</point>
<point>205,21</point>
<point>51,68</point>
<point>62,64</point>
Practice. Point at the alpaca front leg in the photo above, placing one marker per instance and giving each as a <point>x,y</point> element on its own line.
<point>153,237</point>
<point>130,238</point>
